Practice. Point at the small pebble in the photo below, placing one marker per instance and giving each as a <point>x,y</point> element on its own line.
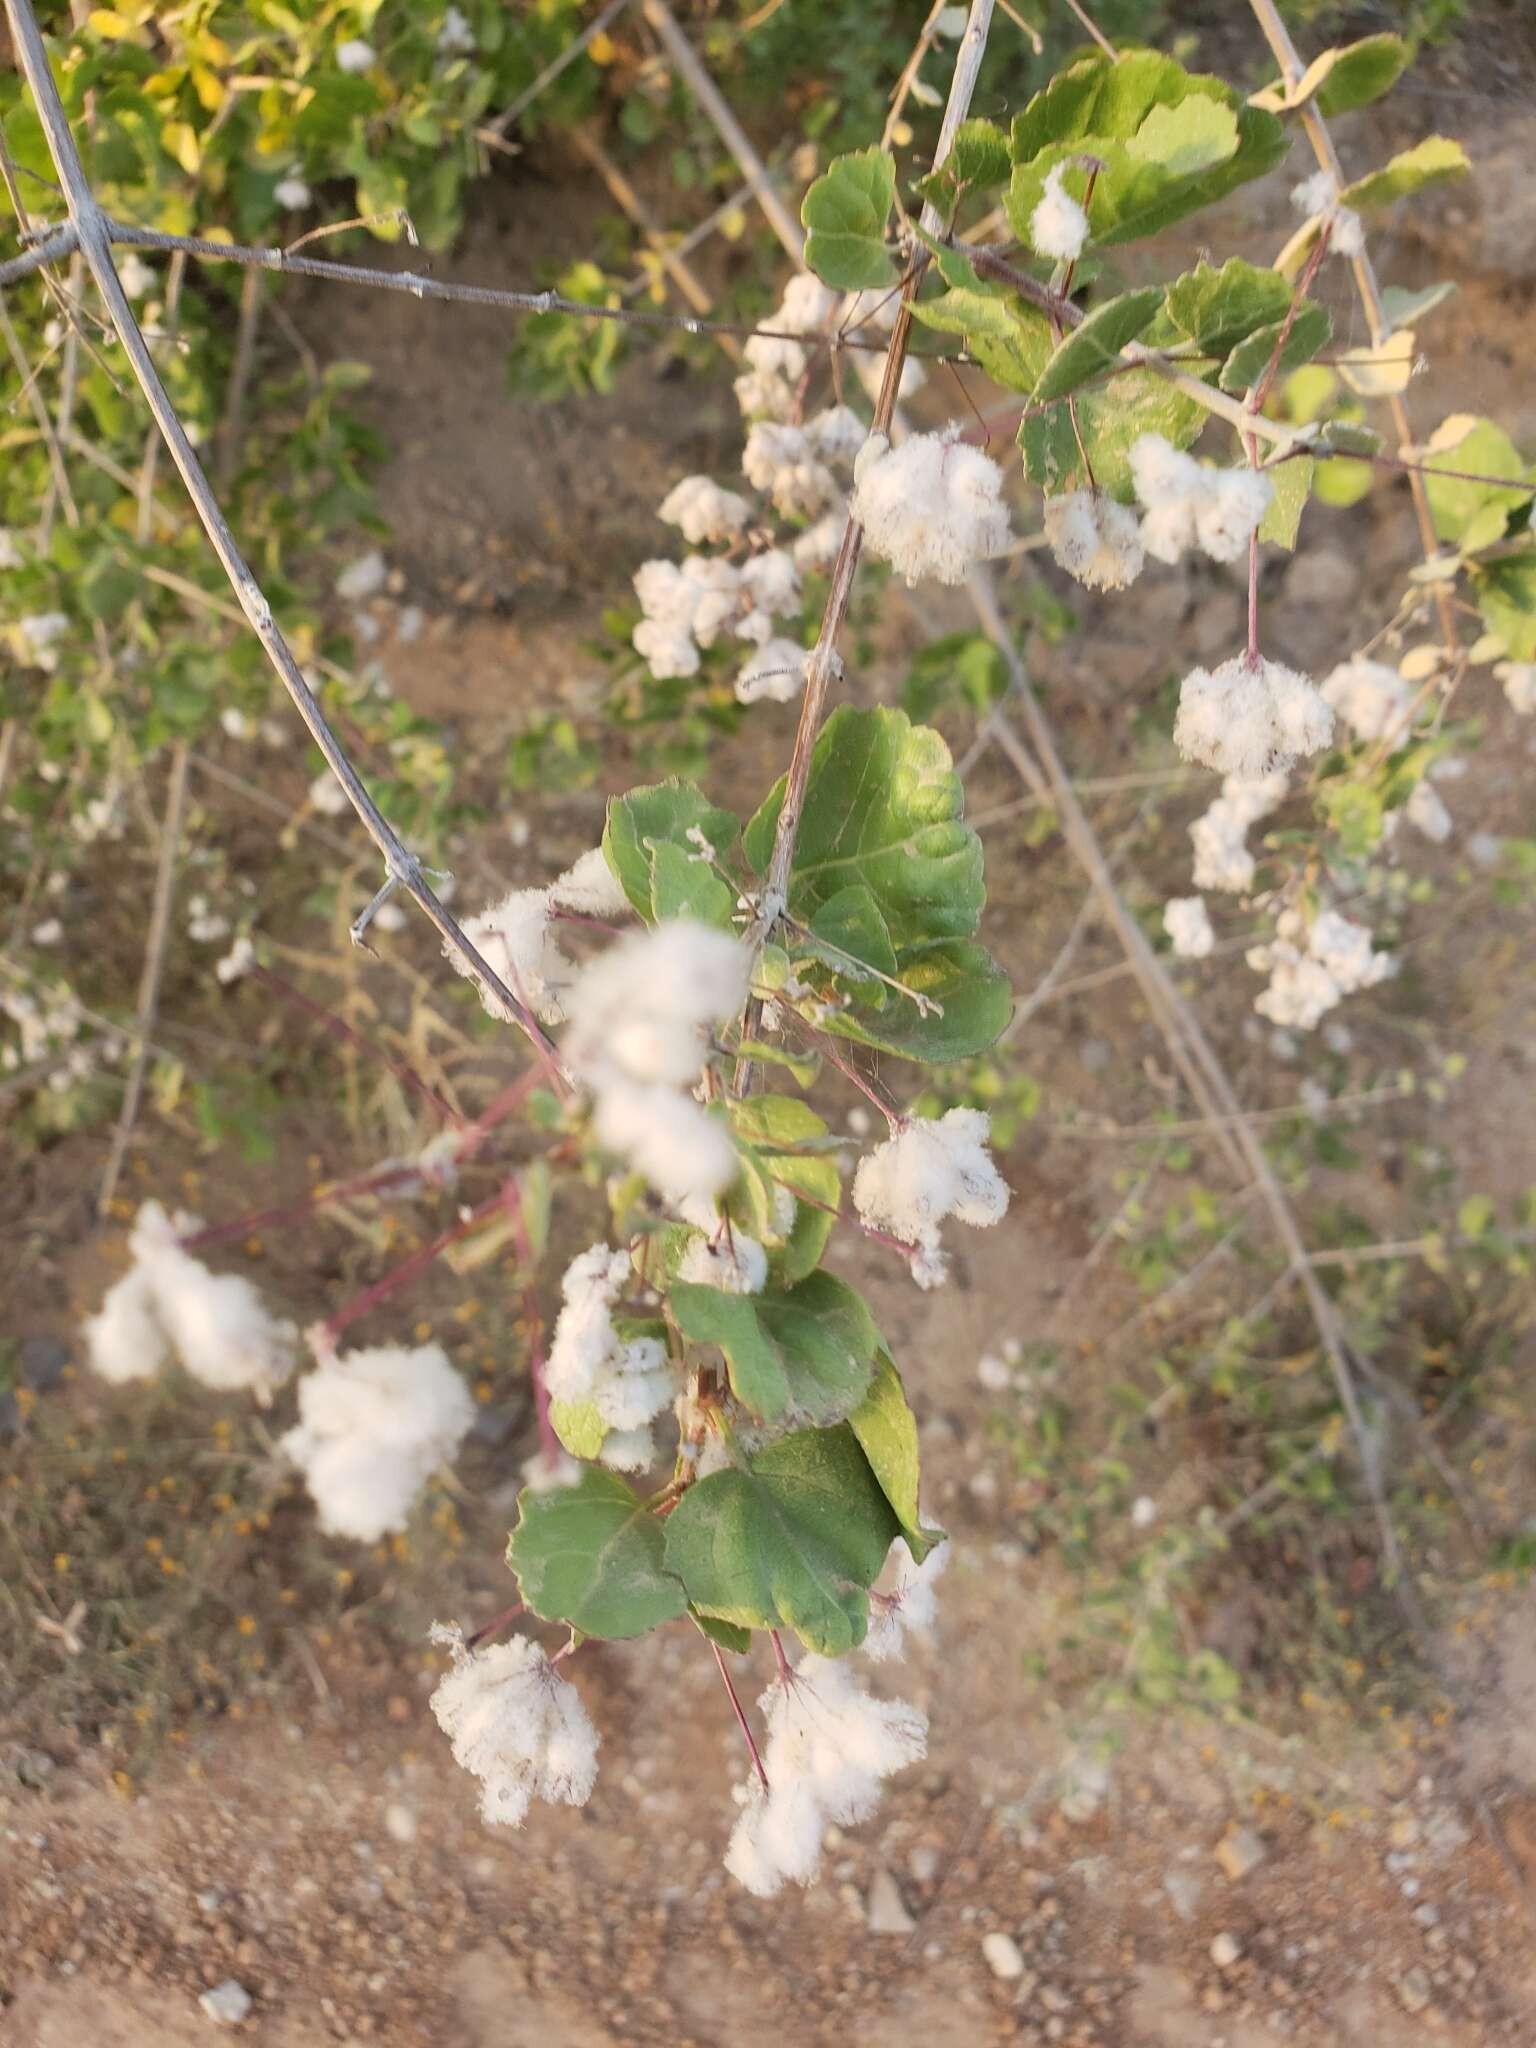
<point>1225,1950</point>
<point>1002,1956</point>
<point>226,2004</point>
<point>1240,1852</point>
<point>886,1911</point>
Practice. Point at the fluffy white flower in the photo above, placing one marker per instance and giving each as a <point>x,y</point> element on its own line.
<point>829,1746</point>
<point>1222,858</point>
<point>1319,195</point>
<point>363,578</point>
<point>1094,539</point>
<point>516,1725</point>
<point>1247,719</point>
<point>837,434</point>
<point>776,670</point>
<point>763,395</point>
<point>931,507</point>
<point>1372,699</point>
<point>686,605</point>
<point>1426,811</point>
<point>544,1471</point>
<point>327,796</point>
<point>237,962</point>
<point>931,1169</point>
<point>781,461</point>
<point>1311,969</point>
<point>373,1427</point>
<point>1188,924</point>
<point>135,276</point>
<point>125,1339</point>
<point>354,55</point>
<point>902,1598</point>
<point>292,193</point>
<point>703,511</point>
<point>455,38</point>
<point>817,548</point>
<point>1058,226</point>
<point>34,637</point>
<point>639,1014</point>
<point>518,936</point>
<point>216,1324</point>
<point>1188,504</point>
<point>736,1264</point>
<point>1519,680</point>
<point>629,1380</point>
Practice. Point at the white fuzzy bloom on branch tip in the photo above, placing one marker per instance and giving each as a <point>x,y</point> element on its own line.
<point>933,1168</point>
<point>1058,226</point>
<point>1248,718</point>
<point>931,507</point>
<point>516,1725</point>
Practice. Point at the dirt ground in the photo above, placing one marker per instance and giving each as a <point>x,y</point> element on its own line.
<point>1162,1882</point>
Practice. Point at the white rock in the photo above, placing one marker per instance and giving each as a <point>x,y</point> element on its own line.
<point>400,1822</point>
<point>226,2004</point>
<point>886,1912</point>
<point>1225,1950</point>
<point>1002,1956</point>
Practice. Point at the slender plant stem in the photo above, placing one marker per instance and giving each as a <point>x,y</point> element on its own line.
<point>741,1720</point>
<point>1278,36</point>
<point>510,116</point>
<point>154,968</point>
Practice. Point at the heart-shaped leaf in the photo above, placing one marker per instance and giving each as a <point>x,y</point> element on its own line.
<point>591,1554</point>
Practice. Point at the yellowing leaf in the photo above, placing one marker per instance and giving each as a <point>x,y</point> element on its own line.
<point>1380,372</point>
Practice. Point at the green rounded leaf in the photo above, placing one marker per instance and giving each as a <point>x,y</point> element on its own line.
<point>886,1429</point>
<point>845,213</point>
<point>1095,346</point>
<point>591,1554</point>
<point>646,843</point>
<point>802,1352</point>
<point>793,1541</point>
<point>882,809</point>
<point>1436,157</point>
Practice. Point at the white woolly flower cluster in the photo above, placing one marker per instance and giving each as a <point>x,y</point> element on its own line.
<point>903,1598</point>
<point>1189,504</point>
<point>629,1382</point>
<point>1427,812</point>
<point>703,511</point>
<point>32,639</point>
<point>687,605</point>
<point>1094,539</point>
<point>51,1033</point>
<point>639,1014</point>
<point>931,507</point>
<point>1374,701</point>
<point>516,1725</point>
<point>168,1305</point>
<point>1058,226</point>
<point>374,1425</point>
<point>775,363</point>
<point>1222,858</point>
<point>1312,968</point>
<point>1318,195</point>
<point>1519,680</point>
<point>1249,718</point>
<point>731,1261</point>
<point>829,1746</point>
<point>932,1168</point>
<point>518,936</point>
<point>1188,924</point>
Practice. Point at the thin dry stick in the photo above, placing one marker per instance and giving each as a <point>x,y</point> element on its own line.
<point>175,278</point>
<point>231,427</point>
<point>510,116</point>
<point>69,381</point>
<point>415,285</point>
<point>1278,36</point>
<point>676,266</point>
<point>154,968</point>
<point>95,243</point>
<point>685,59</point>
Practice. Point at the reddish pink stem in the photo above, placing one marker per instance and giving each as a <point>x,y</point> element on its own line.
<point>277,1219</point>
<point>417,1263</point>
<point>786,1669</point>
<point>741,1720</point>
<point>494,1627</point>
